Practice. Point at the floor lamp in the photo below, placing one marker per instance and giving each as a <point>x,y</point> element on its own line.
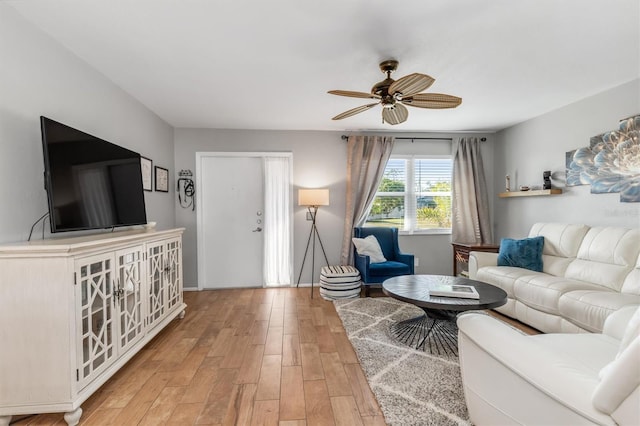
<point>312,198</point>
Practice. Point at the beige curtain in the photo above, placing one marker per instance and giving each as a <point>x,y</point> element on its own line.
<point>367,157</point>
<point>470,209</point>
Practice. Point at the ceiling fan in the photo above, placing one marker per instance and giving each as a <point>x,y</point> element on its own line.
<point>394,94</point>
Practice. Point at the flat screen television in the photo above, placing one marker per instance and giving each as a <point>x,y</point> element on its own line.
<point>90,183</point>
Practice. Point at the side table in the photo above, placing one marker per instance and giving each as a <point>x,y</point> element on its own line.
<point>461,256</point>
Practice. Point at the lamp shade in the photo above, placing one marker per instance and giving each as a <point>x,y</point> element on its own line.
<point>313,197</point>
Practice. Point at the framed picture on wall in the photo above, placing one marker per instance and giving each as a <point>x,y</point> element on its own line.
<point>146,166</point>
<point>162,179</point>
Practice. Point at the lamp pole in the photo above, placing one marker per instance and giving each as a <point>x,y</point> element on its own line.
<point>313,233</point>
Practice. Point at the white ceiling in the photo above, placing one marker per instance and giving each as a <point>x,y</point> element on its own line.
<point>256,64</point>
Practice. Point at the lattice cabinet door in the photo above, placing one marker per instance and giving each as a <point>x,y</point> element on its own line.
<point>96,345</point>
<point>173,273</point>
<point>129,285</point>
<point>156,283</point>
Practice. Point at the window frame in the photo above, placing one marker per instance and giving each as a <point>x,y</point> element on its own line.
<point>410,195</point>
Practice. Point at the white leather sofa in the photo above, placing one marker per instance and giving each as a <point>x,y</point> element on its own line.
<point>588,273</point>
<point>510,378</point>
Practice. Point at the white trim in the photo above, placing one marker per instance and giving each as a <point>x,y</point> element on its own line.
<point>433,231</point>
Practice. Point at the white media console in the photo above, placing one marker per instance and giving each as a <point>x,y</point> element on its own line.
<point>73,311</point>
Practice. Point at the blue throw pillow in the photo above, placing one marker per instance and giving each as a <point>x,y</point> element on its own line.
<point>526,253</point>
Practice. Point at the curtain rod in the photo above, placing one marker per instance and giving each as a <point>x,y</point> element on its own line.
<point>345,137</point>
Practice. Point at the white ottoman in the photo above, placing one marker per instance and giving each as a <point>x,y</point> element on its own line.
<point>339,282</point>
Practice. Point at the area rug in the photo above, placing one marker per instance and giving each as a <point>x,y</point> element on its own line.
<point>412,387</point>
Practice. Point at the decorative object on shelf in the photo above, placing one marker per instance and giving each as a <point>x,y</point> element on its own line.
<point>507,185</point>
<point>312,199</point>
<point>610,163</point>
<point>524,188</point>
<point>546,177</point>
<point>162,179</point>
<point>186,190</point>
<point>146,165</point>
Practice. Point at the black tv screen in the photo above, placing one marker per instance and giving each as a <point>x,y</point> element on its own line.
<point>90,183</point>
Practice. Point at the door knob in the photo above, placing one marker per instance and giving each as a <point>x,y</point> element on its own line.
<point>258,229</point>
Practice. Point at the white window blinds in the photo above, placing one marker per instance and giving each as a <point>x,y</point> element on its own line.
<point>414,195</point>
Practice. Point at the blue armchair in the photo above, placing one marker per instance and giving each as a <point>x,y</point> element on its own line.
<point>397,263</point>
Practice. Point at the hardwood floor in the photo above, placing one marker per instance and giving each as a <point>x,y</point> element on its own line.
<point>245,357</point>
<point>241,357</point>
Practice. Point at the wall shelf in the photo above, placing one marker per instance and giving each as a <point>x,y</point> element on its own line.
<point>552,191</point>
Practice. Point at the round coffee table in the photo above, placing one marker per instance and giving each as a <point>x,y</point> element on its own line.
<point>436,330</point>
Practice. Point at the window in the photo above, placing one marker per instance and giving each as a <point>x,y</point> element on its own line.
<point>414,195</point>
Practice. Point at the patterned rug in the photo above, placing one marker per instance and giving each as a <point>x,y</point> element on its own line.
<point>412,387</point>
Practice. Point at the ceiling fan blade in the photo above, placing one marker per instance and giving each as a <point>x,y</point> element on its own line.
<point>353,94</point>
<point>411,84</point>
<point>354,111</point>
<point>432,100</point>
<point>395,115</point>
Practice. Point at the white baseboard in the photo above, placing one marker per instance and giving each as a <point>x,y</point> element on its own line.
<point>291,286</point>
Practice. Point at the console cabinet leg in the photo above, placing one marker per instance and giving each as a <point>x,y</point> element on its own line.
<point>73,417</point>
<point>182,314</point>
<point>5,420</point>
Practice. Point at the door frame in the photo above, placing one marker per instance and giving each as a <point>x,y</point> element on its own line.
<point>199,213</point>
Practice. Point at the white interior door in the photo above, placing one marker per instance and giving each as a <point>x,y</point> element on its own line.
<point>232,208</point>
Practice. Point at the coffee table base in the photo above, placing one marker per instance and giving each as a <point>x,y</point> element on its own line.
<point>434,332</point>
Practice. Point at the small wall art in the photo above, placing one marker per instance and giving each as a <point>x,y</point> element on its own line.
<point>186,190</point>
<point>146,166</point>
<point>162,179</point>
<point>611,162</point>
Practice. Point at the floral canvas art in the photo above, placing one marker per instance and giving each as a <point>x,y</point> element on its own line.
<point>611,162</point>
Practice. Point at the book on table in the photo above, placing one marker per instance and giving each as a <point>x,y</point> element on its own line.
<point>454,290</point>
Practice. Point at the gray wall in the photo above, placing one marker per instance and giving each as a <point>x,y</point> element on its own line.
<point>40,77</point>
<point>319,160</point>
<point>524,151</point>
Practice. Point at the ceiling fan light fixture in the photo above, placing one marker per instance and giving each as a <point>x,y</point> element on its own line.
<point>394,94</point>
<point>382,88</point>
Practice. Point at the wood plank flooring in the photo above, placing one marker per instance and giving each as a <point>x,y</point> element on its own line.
<point>239,357</point>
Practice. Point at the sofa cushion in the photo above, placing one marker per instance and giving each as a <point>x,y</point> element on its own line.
<point>578,345</point>
<point>561,244</point>
<point>525,253</point>
<point>631,283</point>
<point>390,267</point>
<point>543,292</point>
<point>606,256</point>
<point>503,276</point>
<point>620,381</point>
<point>631,332</point>
<point>561,239</point>
<point>589,309</point>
